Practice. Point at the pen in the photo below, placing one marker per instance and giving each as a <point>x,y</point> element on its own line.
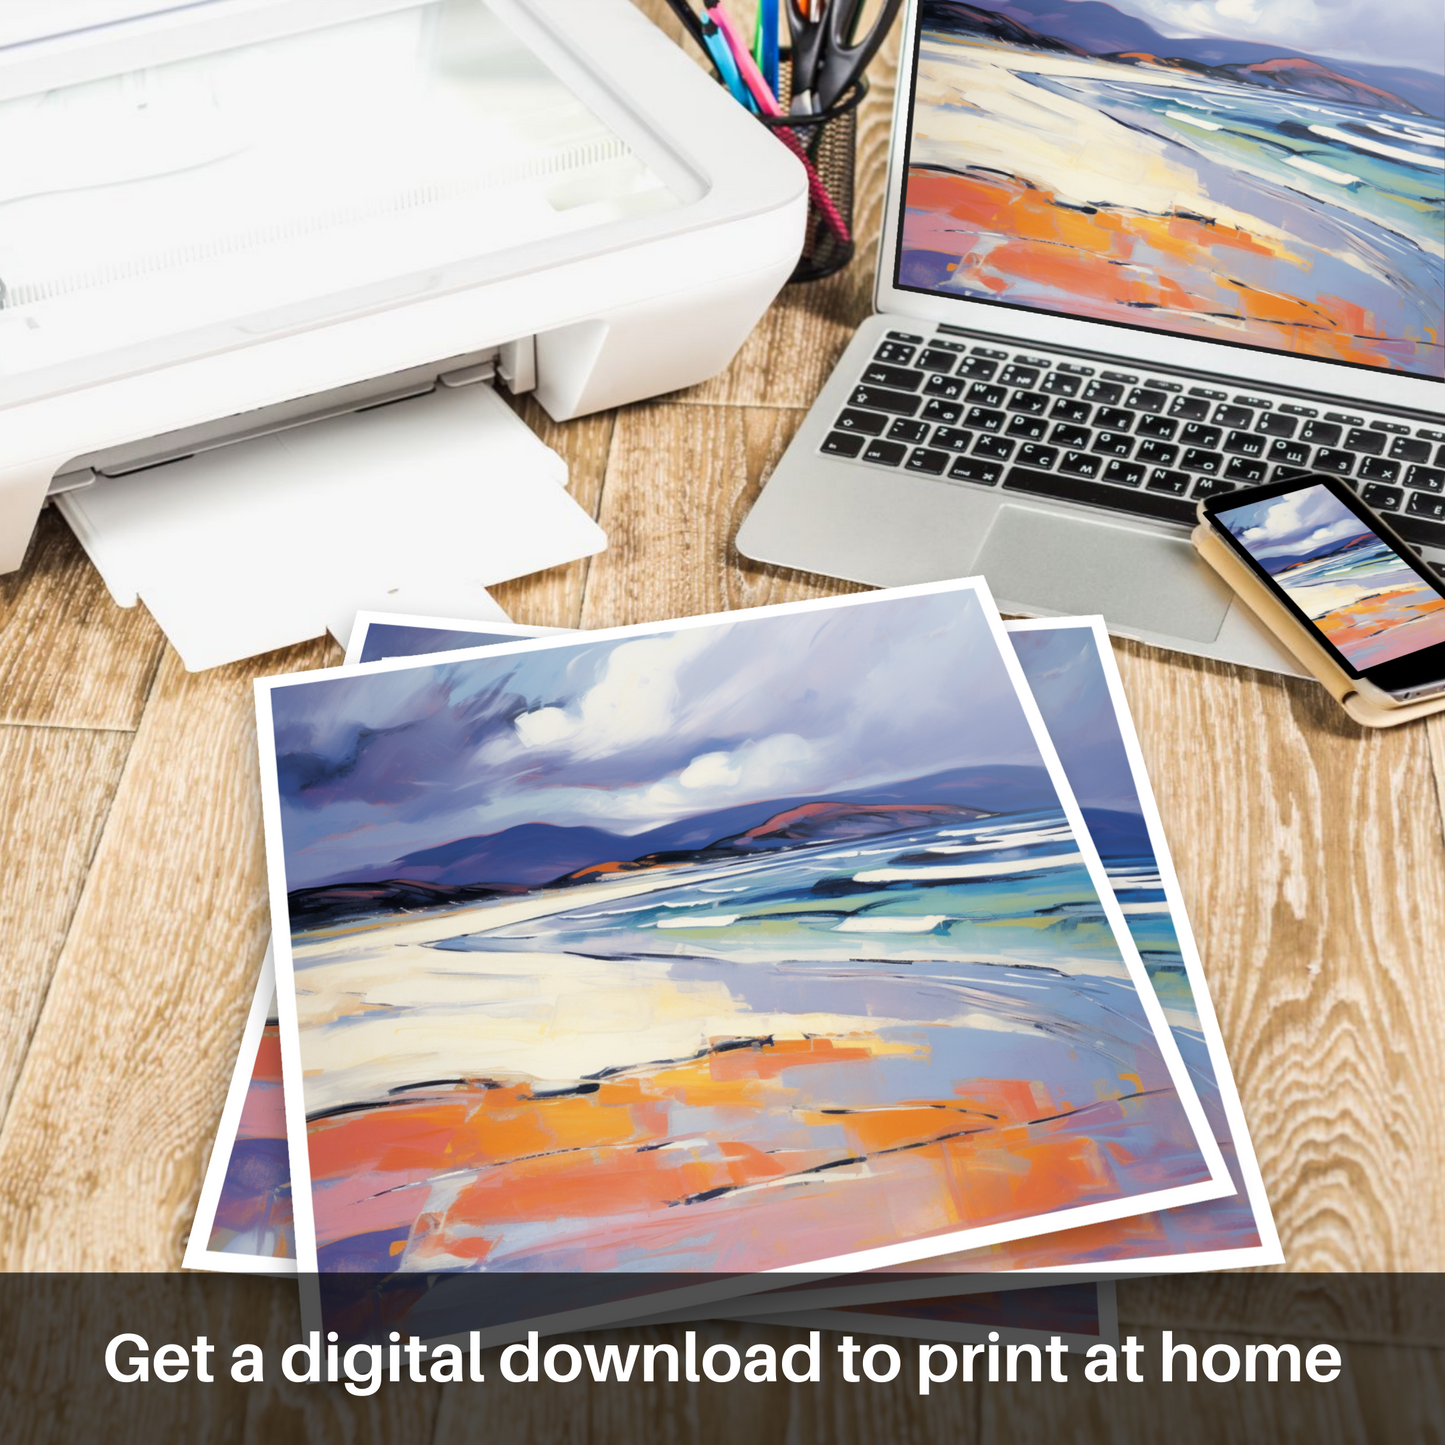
<point>765,42</point>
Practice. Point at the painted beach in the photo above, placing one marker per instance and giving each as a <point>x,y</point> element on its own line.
<point>1070,157</point>
<point>780,947</point>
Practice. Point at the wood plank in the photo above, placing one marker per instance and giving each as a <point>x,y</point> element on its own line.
<point>1311,858</point>
<point>554,598</point>
<point>56,786</point>
<point>69,657</point>
<point>679,482</point>
<point>705,1413</point>
<point>1380,1391</point>
<point>102,1150</point>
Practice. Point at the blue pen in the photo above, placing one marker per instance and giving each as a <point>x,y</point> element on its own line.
<point>768,29</point>
<point>727,67</point>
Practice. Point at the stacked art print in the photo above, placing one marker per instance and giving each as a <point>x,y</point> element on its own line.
<point>734,945</point>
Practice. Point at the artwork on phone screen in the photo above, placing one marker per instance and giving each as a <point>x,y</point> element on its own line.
<point>1356,590</point>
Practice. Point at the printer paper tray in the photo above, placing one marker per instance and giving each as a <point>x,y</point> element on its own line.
<point>417,506</point>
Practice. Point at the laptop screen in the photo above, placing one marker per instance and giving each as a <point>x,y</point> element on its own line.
<point>1266,173</point>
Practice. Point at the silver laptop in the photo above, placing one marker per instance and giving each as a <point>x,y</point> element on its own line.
<point>1127,264</point>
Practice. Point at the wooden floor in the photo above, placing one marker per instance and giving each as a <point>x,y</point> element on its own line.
<point>133,907</point>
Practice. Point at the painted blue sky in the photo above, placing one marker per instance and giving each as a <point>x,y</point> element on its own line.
<point>1067,679</point>
<point>629,734</point>
<point>1282,531</point>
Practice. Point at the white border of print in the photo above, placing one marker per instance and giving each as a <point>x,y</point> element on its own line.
<point>1217,1185</point>
<point>199,1254</point>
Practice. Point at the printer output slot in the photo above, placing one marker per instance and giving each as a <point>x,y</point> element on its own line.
<point>514,362</point>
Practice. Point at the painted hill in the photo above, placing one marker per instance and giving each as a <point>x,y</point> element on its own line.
<point>804,826</point>
<point>1090,27</point>
<point>529,855</point>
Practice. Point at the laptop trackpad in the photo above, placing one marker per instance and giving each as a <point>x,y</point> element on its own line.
<point>1070,565</point>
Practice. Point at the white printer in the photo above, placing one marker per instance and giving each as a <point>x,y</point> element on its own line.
<point>225,220</point>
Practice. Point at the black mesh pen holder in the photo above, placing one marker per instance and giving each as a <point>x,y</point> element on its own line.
<point>826,143</point>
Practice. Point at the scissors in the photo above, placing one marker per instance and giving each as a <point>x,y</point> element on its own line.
<point>828,56</point>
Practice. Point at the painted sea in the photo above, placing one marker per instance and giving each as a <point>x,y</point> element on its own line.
<point>1283,203</point>
<point>855,1021</point>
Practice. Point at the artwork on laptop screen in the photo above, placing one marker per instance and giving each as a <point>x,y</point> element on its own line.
<point>1336,570</point>
<point>1267,174</point>
<point>752,941</point>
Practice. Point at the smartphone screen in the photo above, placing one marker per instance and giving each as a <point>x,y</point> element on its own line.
<point>1336,566</point>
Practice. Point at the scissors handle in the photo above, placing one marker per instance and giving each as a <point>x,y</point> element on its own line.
<point>843,57</point>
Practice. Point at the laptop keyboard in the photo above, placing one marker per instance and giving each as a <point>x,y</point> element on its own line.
<point>1138,444</point>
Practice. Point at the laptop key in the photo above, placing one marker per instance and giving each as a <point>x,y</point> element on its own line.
<point>867,422</point>
<point>948,387</point>
<point>877,374</point>
<point>906,430</point>
<point>843,444</point>
<point>997,448</point>
<point>886,454</point>
<point>1421,505</point>
<point>1245,444</point>
<point>1144,399</point>
<point>923,459</point>
<point>978,368</point>
<point>905,336</point>
<point>1040,457</point>
<point>1161,479</point>
<point>1160,427</point>
<point>1060,383</point>
<point>1426,479</point>
<point>895,353</point>
<point>1081,464</point>
<point>1100,494</point>
<point>1407,449</point>
<point>1210,487</point>
<point>984,419</point>
<point>1107,392</point>
<point>944,411</point>
<point>1381,498</point>
<point>1377,469</point>
<point>1035,403</point>
<point>1195,435</point>
<point>1075,411</point>
<point>1124,474</point>
<point>1289,453</point>
<point>1419,531</point>
<point>1031,428</point>
<point>1112,444</point>
<point>878,398</point>
<point>986,395</point>
<point>1271,424</point>
<point>1242,469</point>
<point>1156,454</point>
<point>1321,433</point>
<point>954,438</point>
<point>1114,418</point>
<point>973,469</point>
<point>933,359</point>
<point>1371,443</point>
<point>1235,416</point>
<point>1189,408</point>
<point>1331,459</point>
<point>1019,375</point>
<point>1070,436</point>
<point>1199,460</point>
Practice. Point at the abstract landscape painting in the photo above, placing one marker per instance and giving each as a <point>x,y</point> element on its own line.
<point>741,944</point>
<point>1356,590</point>
<point>1263,173</point>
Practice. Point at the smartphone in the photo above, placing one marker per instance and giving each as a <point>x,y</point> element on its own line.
<point>1336,566</point>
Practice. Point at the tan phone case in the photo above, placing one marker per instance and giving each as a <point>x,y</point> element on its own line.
<point>1298,639</point>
